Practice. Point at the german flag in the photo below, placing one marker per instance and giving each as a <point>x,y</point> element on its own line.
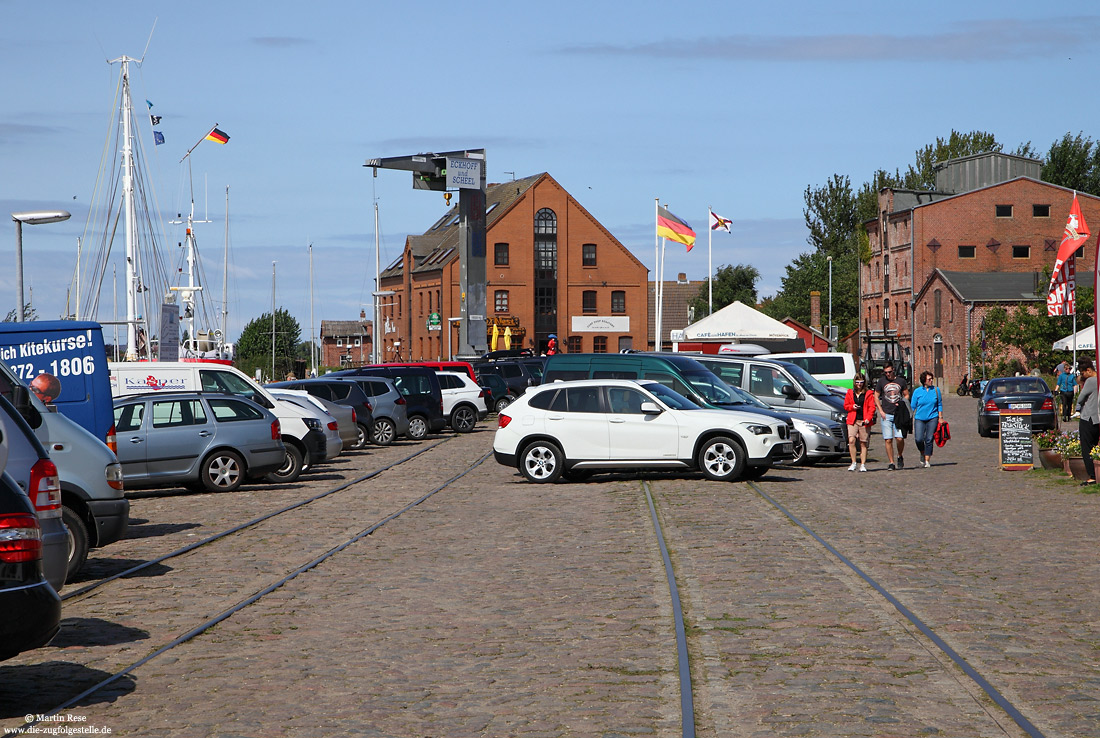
<point>674,229</point>
<point>217,136</point>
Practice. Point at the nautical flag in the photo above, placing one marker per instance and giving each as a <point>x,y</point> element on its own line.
<point>673,228</point>
<point>149,103</point>
<point>155,119</point>
<point>718,223</point>
<point>1060,295</point>
<point>158,138</point>
<point>217,136</point>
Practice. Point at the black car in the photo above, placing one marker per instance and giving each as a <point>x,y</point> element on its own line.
<point>497,396</point>
<point>30,610</point>
<point>515,374</point>
<point>421,390</point>
<point>1016,393</point>
<point>342,392</point>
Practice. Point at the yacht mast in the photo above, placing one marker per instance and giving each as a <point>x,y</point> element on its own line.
<point>225,282</point>
<point>312,351</point>
<point>128,210</point>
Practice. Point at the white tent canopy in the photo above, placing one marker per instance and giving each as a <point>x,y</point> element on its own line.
<point>738,322</point>
<point>1086,340</point>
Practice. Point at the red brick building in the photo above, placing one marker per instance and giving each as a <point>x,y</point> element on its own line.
<point>551,268</point>
<point>346,342</point>
<point>983,218</point>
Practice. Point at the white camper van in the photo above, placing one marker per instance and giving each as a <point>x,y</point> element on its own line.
<point>303,435</point>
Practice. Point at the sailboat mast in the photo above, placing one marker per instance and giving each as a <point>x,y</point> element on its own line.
<point>378,290</point>
<point>129,214</point>
<point>312,351</point>
<point>225,282</point>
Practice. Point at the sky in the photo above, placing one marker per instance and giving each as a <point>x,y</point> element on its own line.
<point>734,106</point>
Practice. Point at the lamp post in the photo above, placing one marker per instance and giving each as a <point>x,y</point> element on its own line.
<point>830,334</point>
<point>32,218</point>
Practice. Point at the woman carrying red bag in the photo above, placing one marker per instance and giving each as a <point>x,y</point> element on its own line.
<point>927,403</point>
<point>860,404</point>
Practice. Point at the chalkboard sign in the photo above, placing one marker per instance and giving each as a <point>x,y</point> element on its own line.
<point>1016,440</point>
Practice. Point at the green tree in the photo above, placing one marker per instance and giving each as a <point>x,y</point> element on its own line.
<point>810,272</point>
<point>1029,328</point>
<point>1074,162</point>
<point>254,344</point>
<point>730,283</point>
<point>29,314</point>
<point>831,216</point>
<point>921,175</point>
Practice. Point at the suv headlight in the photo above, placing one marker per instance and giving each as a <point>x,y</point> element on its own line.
<point>839,416</point>
<point>756,430</point>
<point>312,423</point>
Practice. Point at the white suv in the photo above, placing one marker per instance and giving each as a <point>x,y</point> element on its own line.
<point>463,400</point>
<point>579,427</point>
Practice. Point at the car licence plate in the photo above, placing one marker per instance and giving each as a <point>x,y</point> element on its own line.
<point>786,448</point>
<point>1019,405</point>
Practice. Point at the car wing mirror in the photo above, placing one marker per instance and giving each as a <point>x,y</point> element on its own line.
<point>650,408</point>
<point>789,390</point>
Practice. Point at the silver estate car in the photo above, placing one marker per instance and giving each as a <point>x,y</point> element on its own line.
<point>196,439</point>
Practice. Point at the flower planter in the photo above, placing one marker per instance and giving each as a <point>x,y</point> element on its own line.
<point>1075,465</point>
<point>1050,459</point>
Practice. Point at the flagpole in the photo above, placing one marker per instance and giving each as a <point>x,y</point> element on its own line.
<point>197,144</point>
<point>661,319</point>
<point>710,266</point>
<point>656,278</point>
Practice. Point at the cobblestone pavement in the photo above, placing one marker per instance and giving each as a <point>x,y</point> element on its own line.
<point>502,608</point>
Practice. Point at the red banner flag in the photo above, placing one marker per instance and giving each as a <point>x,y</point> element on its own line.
<point>1060,295</point>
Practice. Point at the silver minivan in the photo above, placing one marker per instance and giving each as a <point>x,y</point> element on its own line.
<point>391,419</point>
<point>779,384</point>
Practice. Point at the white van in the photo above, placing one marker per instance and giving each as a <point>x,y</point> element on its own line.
<point>303,435</point>
<point>831,369</point>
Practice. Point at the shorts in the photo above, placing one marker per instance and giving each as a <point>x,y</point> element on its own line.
<point>859,431</point>
<point>889,430</point>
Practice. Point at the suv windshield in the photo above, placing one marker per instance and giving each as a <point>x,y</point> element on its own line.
<point>713,389</point>
<point>807,380</point>
<point>670,397</point>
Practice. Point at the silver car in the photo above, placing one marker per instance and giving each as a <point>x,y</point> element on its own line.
<point>391,418</point>
<point>200,440</point>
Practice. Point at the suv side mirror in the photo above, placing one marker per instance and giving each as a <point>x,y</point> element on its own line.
<point>21,399</point>
<point>791,392</point>
<point>650,408</point>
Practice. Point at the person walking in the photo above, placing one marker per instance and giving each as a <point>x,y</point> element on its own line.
<point>860,404</point>
<point>1066,382</point>
<point>889,391</point>
<point>927,402</point>
<point>1089,424</point>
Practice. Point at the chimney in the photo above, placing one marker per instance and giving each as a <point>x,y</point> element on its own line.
<point>682,278</point>
<point>815,310</point>
<point>362,315</point>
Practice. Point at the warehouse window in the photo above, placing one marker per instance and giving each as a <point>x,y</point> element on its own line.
<point>500,254</point>
<point>1021,252</point>
<point>618,301</point>
<point>599,344</point>
<point>1004,211</point>
<point>500,301</point>
<point>1040,211</point>
<point>588,301</point>
<point>573,344</point>
<point>588,255</point>
<point>966,252</point>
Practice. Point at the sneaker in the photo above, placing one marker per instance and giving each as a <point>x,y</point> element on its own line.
<point>901,461</point>
<point>852,467</point>
<point>890,468</point>
<point>863,467</point>
<point>927,464</point>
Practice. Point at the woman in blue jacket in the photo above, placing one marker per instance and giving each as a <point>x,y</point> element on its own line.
<point>927,402</point>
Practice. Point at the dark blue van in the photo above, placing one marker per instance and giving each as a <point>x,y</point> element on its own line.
<point>65,363</point>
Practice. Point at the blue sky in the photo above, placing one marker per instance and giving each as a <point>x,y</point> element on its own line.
<point>737,106</point>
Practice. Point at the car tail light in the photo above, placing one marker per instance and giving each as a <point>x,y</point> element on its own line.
<point>481,393</point>
<point>399,401</point>
<point>370,407</point>
<point>114,475</point>
<point>20,538</point>
<point>503,420</point>
<point>112,440</point>
<point>1048,404</point>
<point>45,489</point>
<point>333,426</point>
<point>276,430</point>
<point>991,407</point>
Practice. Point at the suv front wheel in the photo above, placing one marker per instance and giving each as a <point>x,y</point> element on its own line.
<point>418,427</point>
<point>721,459</point>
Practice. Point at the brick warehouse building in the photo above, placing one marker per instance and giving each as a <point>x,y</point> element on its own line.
<point>551,268</point>
<point>989,214</point>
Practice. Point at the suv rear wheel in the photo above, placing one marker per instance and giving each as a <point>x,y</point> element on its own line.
<point>418,427</point>
<point>78,541</point>
<point>503,403</point>
<point>721,459</point>
<point>383,433</point>
<point>362,440</point>
<point>463,419</point>
<point>541,461</point>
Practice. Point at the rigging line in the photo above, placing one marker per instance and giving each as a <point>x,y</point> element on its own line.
<point>969,670</point>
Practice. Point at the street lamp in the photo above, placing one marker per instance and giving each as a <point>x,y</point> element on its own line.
<point>375,356</point>
<point>830,336</point>
<point>32,218</point>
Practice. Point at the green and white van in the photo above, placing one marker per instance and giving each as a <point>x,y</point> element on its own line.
<point>832,369</point>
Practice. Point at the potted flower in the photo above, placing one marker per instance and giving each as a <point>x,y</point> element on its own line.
<point>1072,462</point>
<point>1049,453</point>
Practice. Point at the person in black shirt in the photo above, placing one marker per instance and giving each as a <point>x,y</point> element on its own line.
<point>889,391</point>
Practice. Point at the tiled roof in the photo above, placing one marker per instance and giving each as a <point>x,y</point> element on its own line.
<point>335,328</point>
<point>677,297</point>
<point>439,244</point>
<point>993,286</point>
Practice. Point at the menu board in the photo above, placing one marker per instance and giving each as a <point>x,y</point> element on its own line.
<point>1016,453</point>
